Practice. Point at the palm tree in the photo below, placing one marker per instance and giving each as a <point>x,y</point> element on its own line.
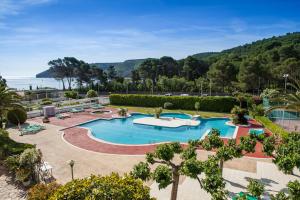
<point>291,101</point>
<point>8,100</point>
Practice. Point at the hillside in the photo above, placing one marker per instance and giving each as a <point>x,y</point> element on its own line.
<point>123,68</point>
<point>274,50</point>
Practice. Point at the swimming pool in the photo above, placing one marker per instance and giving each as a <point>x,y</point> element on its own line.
<point>124,131</point>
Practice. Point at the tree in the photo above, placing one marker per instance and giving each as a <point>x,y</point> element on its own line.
<point>58,70</point>
<point>249,75</point>
<point>108,187</point>
<point>83,74</point>
<point>2,82</point>
<point>135,77</point>
<point>255,188</point>
<point>193,68</point>
<point>111,72</point>
<point>9,100</point>
<point>71,64</point>
<point>285,153</point>
<point>290,101</point>
<point>229,151</point>
<point>168,169</point>
<point>169,67</point>
<point>222,73</point>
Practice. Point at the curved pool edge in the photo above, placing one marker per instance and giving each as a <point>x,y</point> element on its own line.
<point>91,136</point>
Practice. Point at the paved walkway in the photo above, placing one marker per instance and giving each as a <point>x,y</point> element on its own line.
<point>8,189</point>
<point>236,181</point>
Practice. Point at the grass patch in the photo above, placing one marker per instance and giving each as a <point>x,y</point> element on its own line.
<point>274,128</point>
<point>191,112</point>
<point>10,147</point>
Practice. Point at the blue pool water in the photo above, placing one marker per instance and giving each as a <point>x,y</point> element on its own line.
<point>124,131</point>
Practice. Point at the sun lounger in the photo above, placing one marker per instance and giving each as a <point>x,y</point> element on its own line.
<point>77,110</point>
<point>97,106</point>
<point>62,116</point>
<point>31,129</point>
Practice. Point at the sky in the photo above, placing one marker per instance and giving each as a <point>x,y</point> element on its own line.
<point>33,32</point>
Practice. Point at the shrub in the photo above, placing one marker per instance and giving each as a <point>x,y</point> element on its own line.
<point>157,112</point>
<point>109,187</point>
<point>255,188</point>
<point>168,105</point>
<point>71,94</point>
<point>42,191</point>
<point>122,112</point>
<point>9,147</point>
<point>217,104</point>
<point>239,117</point>
<point>12,163</point>
<point>17,116</point>
<point>46,101</point>
<point>91,94</point>
<point>257,110</point>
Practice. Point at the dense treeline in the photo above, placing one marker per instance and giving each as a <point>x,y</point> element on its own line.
<point>248,68</point>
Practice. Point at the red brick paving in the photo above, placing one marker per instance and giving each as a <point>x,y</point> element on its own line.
<point>76,118</point>
<point>79,137</point>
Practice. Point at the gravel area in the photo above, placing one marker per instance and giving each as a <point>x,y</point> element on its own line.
<point>8,189</point>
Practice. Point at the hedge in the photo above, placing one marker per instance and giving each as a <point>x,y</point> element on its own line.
<point>216,104</point>
<point>274,128</point>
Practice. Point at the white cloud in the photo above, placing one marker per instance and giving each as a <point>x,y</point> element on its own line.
<point>14,7</point>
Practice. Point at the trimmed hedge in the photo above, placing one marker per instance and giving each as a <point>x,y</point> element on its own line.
<point>216,104</point>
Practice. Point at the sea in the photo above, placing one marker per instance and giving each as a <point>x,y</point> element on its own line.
<point>24,83</point>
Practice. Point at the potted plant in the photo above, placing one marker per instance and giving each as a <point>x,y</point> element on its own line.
<point>46,119</point>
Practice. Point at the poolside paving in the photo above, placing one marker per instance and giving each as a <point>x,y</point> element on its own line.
<point>79,137</point>
<point>58,150</point>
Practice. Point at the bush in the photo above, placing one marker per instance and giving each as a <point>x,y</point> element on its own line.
<point>122,112</point>
<point>239,117</point>
<point>109,187</point>
<point>257,110</point>
<point>17,116</point>
<point>168,105</point>
<point>46,101</point>
<point>42,191</point>
<point>71,94</point>
<point>91,94</point>
<point>157,112</point>
<point>255,188</point>
<point>216,104</point>
<point>9,147</point>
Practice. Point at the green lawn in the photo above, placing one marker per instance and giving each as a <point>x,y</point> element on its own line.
<point>151,111</point>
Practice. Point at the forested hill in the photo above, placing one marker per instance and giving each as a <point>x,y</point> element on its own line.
<point>123,68</point>
<point>276,53</point>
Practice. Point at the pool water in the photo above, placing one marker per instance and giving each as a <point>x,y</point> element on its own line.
<point>124,131</point>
